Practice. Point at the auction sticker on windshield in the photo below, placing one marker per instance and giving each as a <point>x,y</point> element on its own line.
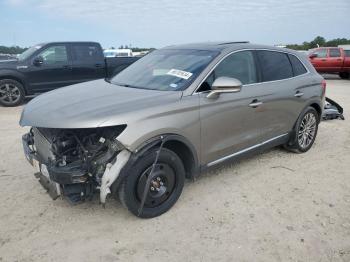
<point>180,73</point>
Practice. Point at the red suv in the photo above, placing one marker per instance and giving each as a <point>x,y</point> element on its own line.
<point>331,60</point>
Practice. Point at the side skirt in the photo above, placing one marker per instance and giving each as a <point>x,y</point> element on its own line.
<point>247,152</point>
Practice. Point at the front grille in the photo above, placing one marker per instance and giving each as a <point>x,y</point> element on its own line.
<point>42,146</point>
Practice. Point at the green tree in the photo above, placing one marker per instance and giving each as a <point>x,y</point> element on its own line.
<point>318,41</point>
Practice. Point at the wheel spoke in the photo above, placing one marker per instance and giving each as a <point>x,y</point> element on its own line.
<point>307,130</point>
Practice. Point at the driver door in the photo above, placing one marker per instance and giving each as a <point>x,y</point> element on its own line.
<point>54,71</point>
<point>228,122</point>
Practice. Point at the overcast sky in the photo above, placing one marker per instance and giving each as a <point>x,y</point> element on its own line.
<point>160,22</point>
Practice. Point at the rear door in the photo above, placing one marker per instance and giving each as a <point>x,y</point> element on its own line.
<point>228,123</point>
<point>335,60</point>
<point>88,62</point>
<point>54,72</point>
<point>320,62</point>
<point>279,94</point>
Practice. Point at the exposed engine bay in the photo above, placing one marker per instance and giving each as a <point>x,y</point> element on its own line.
<point>74,159</point>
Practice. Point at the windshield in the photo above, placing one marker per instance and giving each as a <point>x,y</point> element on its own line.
<point>28,53</point>
<point>166,70</point>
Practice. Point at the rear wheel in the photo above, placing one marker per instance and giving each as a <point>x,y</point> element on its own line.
<point>305,131</point>
<point>166,184</point>
<point>344,75</point>
<point>11,92</point>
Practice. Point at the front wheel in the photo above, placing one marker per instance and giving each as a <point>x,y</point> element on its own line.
<point>11,92</point>
<point>165,188</point>
<point>305,131</point>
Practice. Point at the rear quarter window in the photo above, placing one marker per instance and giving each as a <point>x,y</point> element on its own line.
<point>347,53</point>
<point>298,67</point>
<point>274,65</point>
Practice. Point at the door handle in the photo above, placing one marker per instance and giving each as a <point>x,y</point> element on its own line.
<point>299,94</point>
<point>67,67</point>
<point>255,103</point>
<point>98,65</point>
<point>323,59</point>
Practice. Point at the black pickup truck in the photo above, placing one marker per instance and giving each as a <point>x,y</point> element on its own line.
<point>48,66</point>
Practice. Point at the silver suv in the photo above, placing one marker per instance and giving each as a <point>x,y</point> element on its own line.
<point>170,115</point>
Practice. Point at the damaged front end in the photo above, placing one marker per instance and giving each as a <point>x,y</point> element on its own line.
<point>75,163</point>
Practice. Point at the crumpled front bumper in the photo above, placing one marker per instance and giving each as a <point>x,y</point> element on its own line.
<point>42,173</point>
<point>71,181</point>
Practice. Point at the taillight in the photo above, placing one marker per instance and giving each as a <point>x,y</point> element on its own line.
<point>323,84</point>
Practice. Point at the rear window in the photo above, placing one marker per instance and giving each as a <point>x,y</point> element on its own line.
<point>298,67</point>
<point>86,52</point>
<point>334,52</point>
<point>274,65</point>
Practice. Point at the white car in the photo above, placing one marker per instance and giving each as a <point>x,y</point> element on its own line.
<point>117,52</point>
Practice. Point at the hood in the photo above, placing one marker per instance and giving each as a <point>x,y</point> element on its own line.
<point>8,63</point>
<point>91,104</point>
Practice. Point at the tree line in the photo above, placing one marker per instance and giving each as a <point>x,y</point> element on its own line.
<point>319,41</point>
<point>12,50</point>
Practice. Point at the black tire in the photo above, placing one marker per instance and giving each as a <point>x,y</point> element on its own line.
<point>171,173</point>
<point>11,92</point>
<point>296,143</point>
<point>344,75</point>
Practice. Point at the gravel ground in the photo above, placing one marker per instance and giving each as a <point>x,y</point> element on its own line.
<point>276,206</point>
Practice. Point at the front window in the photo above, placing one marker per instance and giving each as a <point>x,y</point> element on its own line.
<point>54,55</point>
<point>321,53</point>
<point>167,69</point>
<point>239,65</point>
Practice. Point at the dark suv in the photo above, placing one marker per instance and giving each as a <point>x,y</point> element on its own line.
<point>167,117</point>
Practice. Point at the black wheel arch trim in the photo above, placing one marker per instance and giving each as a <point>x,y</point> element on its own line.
<point>149,144</point>
<point>309,104</point>
<point>13,75</point>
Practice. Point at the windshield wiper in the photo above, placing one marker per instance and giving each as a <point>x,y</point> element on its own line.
<point>126,85</point>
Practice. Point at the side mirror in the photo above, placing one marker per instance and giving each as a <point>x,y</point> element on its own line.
<point>312,56</point>
<point>224,85</point>
<point>38,61</point>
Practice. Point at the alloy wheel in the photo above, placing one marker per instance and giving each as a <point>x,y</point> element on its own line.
<point>9,93</point>
<point>307,130</point>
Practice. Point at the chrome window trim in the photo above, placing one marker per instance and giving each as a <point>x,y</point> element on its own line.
<point>244,150</point>
<point>255,49</point>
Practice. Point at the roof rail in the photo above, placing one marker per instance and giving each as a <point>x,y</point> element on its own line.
<point>237,42</point>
